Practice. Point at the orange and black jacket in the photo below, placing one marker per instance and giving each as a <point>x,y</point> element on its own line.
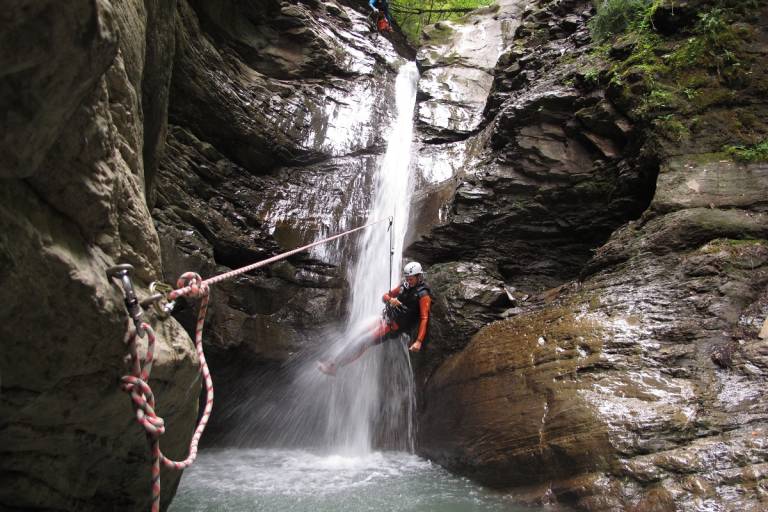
<point>416,301</point>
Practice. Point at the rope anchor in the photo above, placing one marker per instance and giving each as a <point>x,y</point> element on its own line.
<point>136,384</point>
<point>158,300</point>
<point>161,300</point>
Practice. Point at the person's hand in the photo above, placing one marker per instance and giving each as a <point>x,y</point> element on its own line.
<point>375,9</point>
<point>415,347</point>
<point>395,303</point>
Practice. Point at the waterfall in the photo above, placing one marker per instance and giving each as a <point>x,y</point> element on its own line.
<point>371,401</point>
<point>375,394</point>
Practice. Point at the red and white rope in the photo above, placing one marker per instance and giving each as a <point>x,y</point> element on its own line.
<point>136,384</point>
<point>144,400</point>
<point>233,273</point>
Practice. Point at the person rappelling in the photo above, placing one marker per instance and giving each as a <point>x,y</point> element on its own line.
<point>407,308</point>
<point>384,19</point>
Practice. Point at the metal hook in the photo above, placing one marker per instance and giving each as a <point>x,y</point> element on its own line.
<point>159,299</point>
<point>123,274</point>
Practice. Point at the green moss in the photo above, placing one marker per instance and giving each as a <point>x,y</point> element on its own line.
<point>708,97</point>
<point>439,34</point>
<point>591,75</point>
<point>734,247</point>
<point>695,78</point>
<point>746,154</point>
<point>715,45</point>
<point>672,128</point>
<point>696,73</point>
<point>414,16</point>
<point>616,16</point>
<point>452,58</point>
<point>749,120</point>
<point>689,93</point>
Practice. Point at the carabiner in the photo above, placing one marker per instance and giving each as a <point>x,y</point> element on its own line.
<point>158,301</point>
<point>123,274</point>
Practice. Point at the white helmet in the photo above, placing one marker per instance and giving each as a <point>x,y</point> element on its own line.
<point>412,269</point>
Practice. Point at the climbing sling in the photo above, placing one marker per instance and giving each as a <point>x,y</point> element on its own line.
<point>162,300</point>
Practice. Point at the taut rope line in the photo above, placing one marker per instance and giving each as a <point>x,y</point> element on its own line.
<point>227,275</point>
<point>190,284</point>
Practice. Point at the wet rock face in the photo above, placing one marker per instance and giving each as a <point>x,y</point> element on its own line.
<point>545,172</point>
<point>210,216</point>
<point>552,172</point>
<point>277,117</point>
<point>250,112</point>
<point>255,93</point>
<point>467,296</point>
<point>73,204</point>
<point>285,40</point>
<point>645,378</point>
<point>637,386</point>
<point>265,96</point>
<point>456,61</point>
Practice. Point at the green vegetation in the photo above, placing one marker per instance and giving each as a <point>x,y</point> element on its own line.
<point>746,154</point>
<point>683,70</point>
<point>714,45</point>
<point>592,75</point>
<point>616,16</point>
<point>672,128</point>
<point>413,15</point>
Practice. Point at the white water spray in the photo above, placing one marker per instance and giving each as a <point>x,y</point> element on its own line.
<point>373,399</point>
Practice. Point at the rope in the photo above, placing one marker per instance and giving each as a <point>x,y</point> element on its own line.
<point>180,292</point>
<point>190,284</point>
<point>391,250</point>
<point>144,400</point>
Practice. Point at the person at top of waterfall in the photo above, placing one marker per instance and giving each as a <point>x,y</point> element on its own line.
<point>381,8</point>
<point>407,307</point>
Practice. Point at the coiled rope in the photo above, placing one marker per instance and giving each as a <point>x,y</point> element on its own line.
<point>190,284</point>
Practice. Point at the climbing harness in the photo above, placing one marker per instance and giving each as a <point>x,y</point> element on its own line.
<point>161,302</point>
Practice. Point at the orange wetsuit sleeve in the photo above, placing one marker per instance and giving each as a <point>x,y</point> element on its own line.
<point>425,303</point>
<point>394,292</point>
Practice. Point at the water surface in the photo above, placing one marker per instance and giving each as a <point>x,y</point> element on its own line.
<point>249,480</point>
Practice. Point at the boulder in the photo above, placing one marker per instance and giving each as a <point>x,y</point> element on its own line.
<point>69,438</point>
<point>617,373</point>
<point>467,296</point>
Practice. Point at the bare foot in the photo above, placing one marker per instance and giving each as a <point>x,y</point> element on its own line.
<point>327,367</point>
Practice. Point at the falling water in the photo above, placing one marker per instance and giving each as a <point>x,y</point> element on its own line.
<point>318,453</point>
<point>370,402</point>
<point>377,390</point>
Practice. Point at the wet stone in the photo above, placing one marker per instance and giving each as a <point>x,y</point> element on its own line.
<point>635,386</point>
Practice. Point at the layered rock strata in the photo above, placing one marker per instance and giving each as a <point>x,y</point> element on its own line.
<point>637,386</point>
<point>550,176</point>
<point>275,111</point>
<point>457,61</point>
<point>279,113</point>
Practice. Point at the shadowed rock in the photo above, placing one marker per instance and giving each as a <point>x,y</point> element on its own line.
<point>75,130</point>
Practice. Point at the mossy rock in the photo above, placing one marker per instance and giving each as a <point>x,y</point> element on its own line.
<point>735,248</point>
